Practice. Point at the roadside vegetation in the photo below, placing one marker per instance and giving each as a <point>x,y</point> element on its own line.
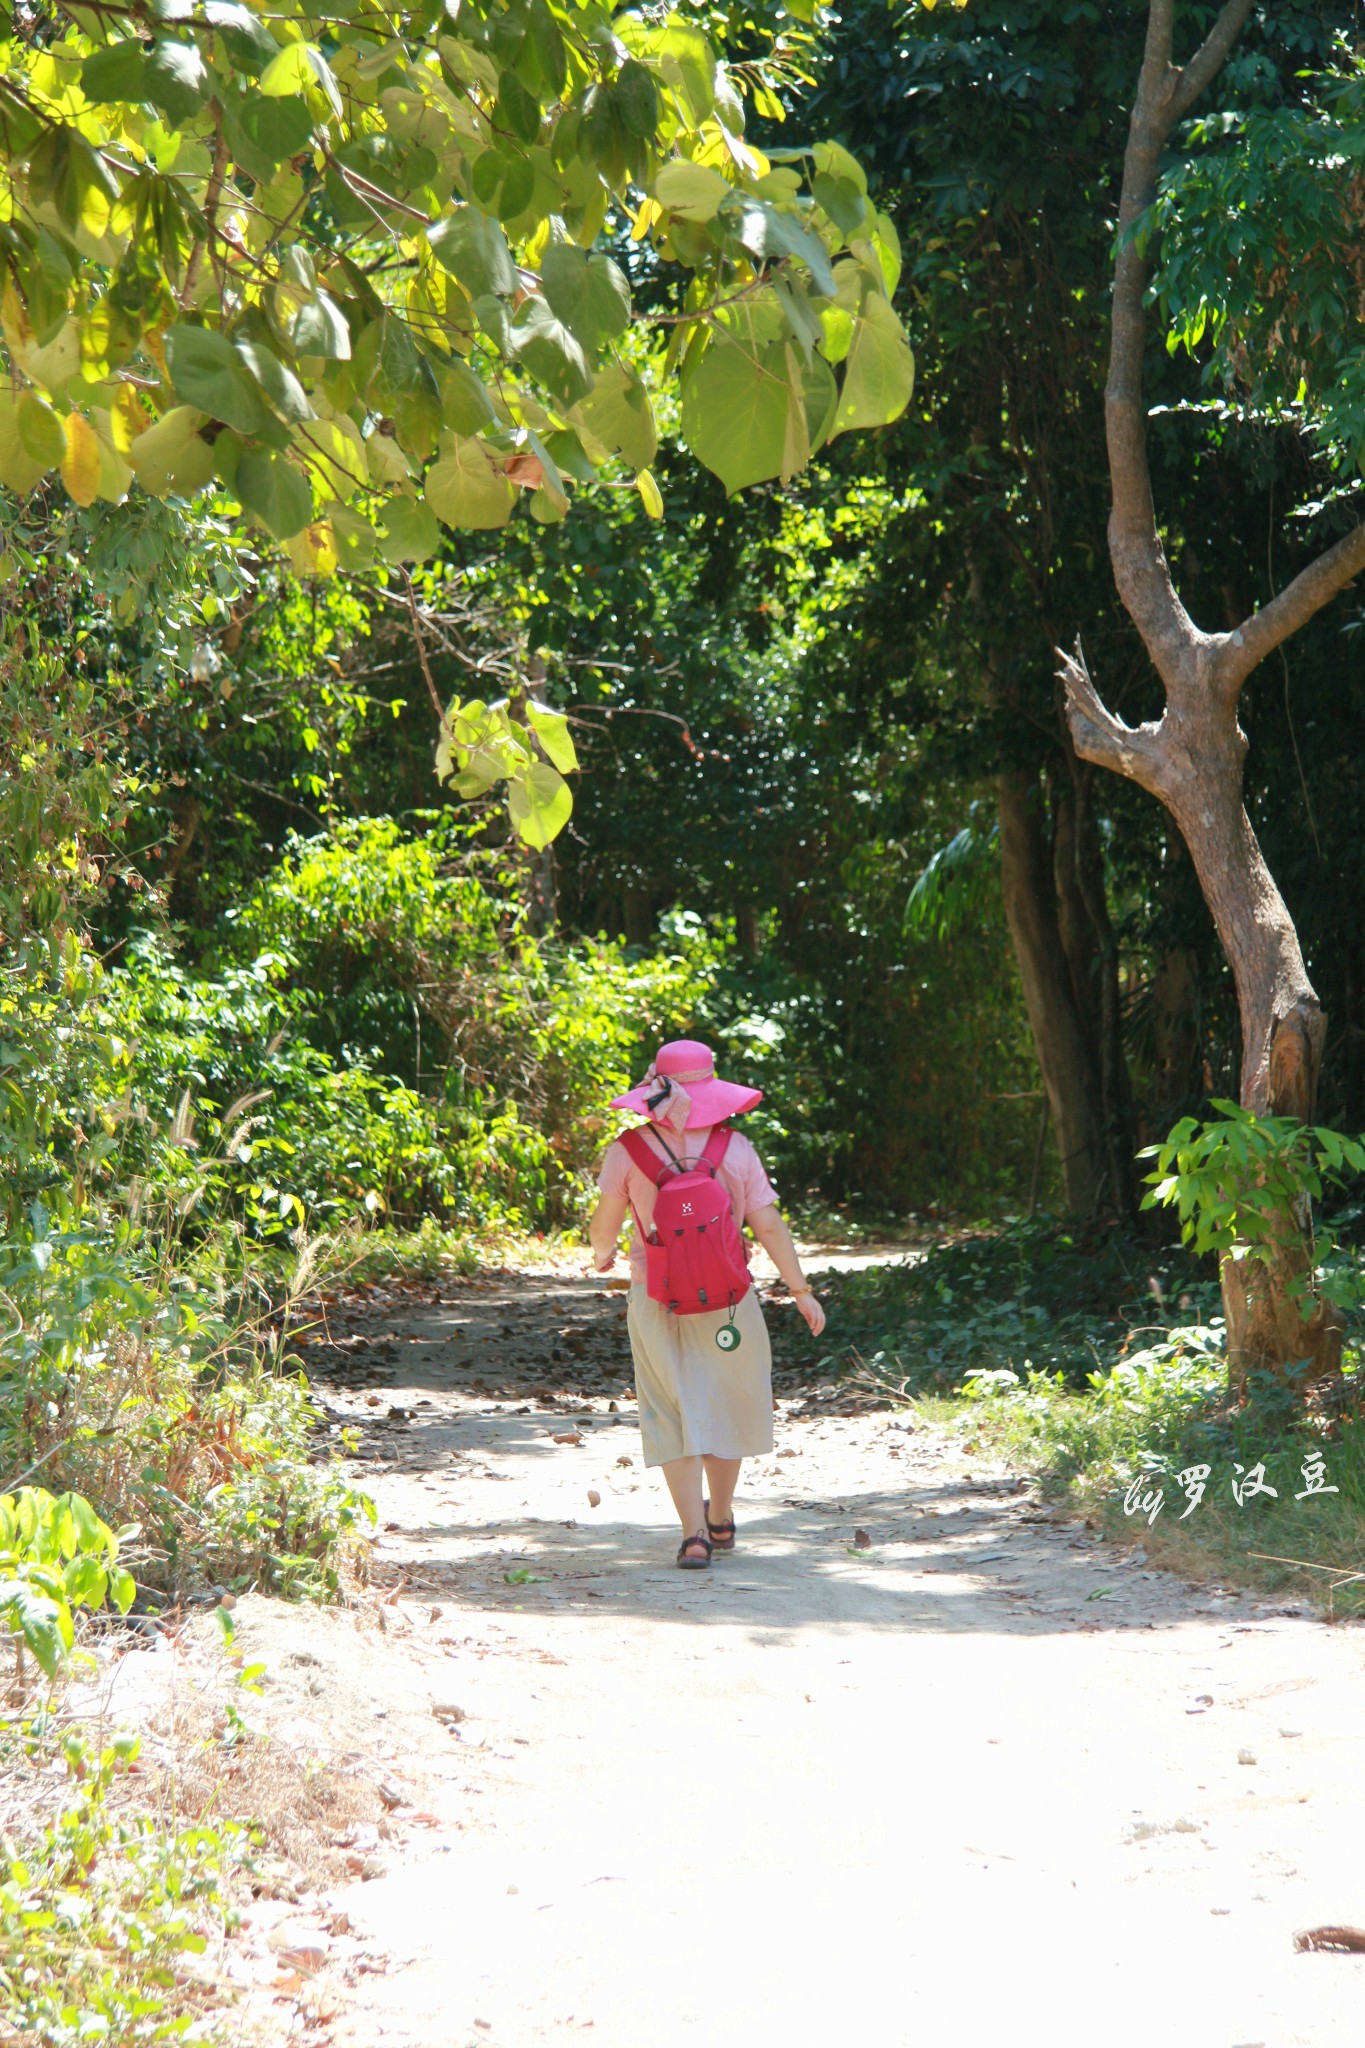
<point>483,588</point>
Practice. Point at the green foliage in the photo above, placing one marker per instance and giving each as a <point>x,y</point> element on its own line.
<point>1254,236</point>
<point>951,883</point>
<point>305,256</point>
<point>356,295</point>
<point>377,943</point>
<point>1153,1410</point>
<point>1032,1298</point>
<point>96,1915</point>
<point>56,1555</point>
<point>482,744</point>
<point>1245,1185</point>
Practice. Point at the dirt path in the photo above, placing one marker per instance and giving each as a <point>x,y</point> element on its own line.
<point>965,1777</point>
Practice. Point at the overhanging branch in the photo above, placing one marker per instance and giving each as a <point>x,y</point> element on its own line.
<point>1209,59</point>
<point>1310,590</point>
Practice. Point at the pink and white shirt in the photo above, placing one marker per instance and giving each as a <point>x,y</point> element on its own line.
<point>741,1174</point>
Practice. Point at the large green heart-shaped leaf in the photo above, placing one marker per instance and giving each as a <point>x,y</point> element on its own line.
<point>551,352</point>
<point>176,80</point>
<point>692,191</point>
<point>588,293</point>
<point>243,34</point>
<point>20,472</point>
<point>207,372</point>
<point>172,457</point>
<point>464,489</point>
<point>117,72</point>
<point>41,431</point>
<point>273,491</point>
<point>399,382</point>
<point>279,384</point>
<point>271,130</point>
<point>735,412</point>
<point>320,325</point>
<point>539,804</point>
<point>879,372</point>
<point>411,531</point>
<point>616,415</point>
<point>465,404</point>
<point>472,246</point>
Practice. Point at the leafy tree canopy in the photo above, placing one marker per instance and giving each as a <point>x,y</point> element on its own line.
<point>1256,249</point>
<point>348,267</point>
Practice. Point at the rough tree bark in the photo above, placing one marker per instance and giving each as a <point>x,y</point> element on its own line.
<point>1192,757</point>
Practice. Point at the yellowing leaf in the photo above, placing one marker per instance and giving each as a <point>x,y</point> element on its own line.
<point>651,497</point>
<point>14,322</point>
<point>314,551</point>
<point>464,489</point>
<point>116,475</point>
<point>81,463</point>
<point>539,803</point>
<point>128,417</point>
<point>551,728</point>
<point>692,191</point>
<point>57,360</point>
<point>288,73</point>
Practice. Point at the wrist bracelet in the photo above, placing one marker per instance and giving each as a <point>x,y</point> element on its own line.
<point>794,1291</point>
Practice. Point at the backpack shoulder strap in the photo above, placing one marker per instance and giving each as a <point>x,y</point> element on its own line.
<point>644,1156</point>
<point>717,1145</point>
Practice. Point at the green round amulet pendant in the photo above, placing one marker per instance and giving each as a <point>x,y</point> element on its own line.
<point>727,1336</point>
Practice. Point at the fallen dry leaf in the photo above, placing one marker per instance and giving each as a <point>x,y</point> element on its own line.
<point>594,1498</point>
<point>861,1540</point>
<point>569,1436</point>
<point>1349,1939</point>
<point>308,1957</point>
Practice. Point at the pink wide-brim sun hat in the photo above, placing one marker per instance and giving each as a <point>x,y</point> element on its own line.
<point>693,1066</point>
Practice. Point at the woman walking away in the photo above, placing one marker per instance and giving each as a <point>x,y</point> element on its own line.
<point>703,1369</point>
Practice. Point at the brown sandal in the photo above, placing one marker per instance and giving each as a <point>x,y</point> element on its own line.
<point>694,1564</point>
<point>722,1534</point>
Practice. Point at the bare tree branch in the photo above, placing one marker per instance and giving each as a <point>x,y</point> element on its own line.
<point>1133,751</point>
<point>1310,590</point>
<point>1211,56</point>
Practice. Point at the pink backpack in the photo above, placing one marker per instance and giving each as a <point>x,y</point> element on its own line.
<point>694,1255</point>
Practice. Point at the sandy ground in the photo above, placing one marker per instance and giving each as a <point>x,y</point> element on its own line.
<point>917,1764</point>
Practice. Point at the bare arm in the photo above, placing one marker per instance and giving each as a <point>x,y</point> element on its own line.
<point>604,1228</point>
<point>769,1227</point>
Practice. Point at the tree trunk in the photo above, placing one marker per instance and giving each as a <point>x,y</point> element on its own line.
<point>541,905</point>
<point>1175,1038</point>
<point>1192,757</point>
<point>1093,958</point>
<point>1059,1035</point>
<point>1283,1027</point>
